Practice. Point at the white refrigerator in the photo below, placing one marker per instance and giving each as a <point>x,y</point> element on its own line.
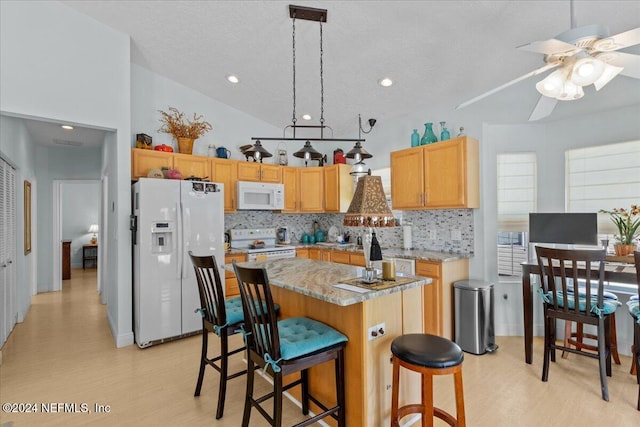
<point>171,218</point>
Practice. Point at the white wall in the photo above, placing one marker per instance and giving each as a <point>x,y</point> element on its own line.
<point>80,201</point>
<point>17,148</point>
<point>59,64</point>
<point>232,128</point>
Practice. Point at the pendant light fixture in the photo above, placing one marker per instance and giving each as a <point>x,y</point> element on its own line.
<point>369,206</point>
<point>307,152</point>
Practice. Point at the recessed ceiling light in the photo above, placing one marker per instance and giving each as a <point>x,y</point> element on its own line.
<point>306,117</point>
<point>233,79</point>
<point>386,82</point>
<point>66,127</point>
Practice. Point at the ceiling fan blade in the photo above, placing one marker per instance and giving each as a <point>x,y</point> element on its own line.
<point>618,41</point>
<point>630,62</point>
<point>543,108</point>
<point>551,47</point>
<point>512,82</point>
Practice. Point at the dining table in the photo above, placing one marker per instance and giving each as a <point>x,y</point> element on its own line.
<point>614,272</point>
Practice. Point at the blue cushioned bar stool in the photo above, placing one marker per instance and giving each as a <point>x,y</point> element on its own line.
<point>220,316</point>
<point>285,347</point>
<point>427,355</point>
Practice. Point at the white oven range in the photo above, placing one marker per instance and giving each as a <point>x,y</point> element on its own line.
<point>246,239</point>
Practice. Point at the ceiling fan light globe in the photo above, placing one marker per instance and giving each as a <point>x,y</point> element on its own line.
<point>551,86</point>
<point>586,71</point>
<point>610,71</point>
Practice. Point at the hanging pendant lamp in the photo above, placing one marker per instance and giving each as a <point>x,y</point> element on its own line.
<point>257,151</point>
<point>307,152</point>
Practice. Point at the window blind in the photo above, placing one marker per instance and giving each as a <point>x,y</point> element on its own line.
<point>603,177</point>
<point>516,190</point>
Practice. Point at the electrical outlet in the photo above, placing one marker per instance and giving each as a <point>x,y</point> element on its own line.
<point>376,331</point>
<point>456,235</point>
<point>432,235</point>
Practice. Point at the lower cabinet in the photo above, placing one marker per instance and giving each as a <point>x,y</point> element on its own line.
<point>438,297</point>
<point>230,282</point>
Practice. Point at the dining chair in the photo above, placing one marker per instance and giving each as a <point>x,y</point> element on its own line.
<point>221,316</point>
<point>560,281</point>
<point>285,347</point>
<point>634,310</point>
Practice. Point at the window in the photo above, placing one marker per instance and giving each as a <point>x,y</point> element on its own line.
<point>603,177</point>
<point>516,198</point>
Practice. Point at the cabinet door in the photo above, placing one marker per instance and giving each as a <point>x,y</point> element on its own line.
<point>290,181</point>
<point>225,171</point>
<point>271,173</point>
<point>315,253</point>
<point>190,165</point>
<point>311,189</point>
<point>341,257</point>
<point>142,161</point>
<point>302,253</point>
<point>432,297</point>
<point>407,182</point>
<point>331,190</point>
<point>248,171</point>
<point>445,174</point>
<point>357,259</point>
<point>230,281</point>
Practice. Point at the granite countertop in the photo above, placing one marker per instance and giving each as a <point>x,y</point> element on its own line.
<point>317,279</point>
<point>417,254</point>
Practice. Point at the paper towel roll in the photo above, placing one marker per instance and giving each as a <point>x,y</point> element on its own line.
<point>406,237</point>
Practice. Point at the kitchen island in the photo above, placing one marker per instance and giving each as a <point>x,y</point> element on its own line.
<point>304,287</point>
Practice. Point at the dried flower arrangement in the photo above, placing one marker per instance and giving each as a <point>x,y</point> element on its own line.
<point>174,123</point>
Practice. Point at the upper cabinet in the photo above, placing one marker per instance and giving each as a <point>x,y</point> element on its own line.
<point>142,161</point>
<point>192,166</point>
<point>291,189</point>
<point>436,176</point>
<point>311,194</point>
<point>260,172</point>
<point>338,188</point>
<point>226,172</point>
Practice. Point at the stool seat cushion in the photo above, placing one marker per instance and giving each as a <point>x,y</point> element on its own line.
<point>634,309</point>
<point>608,305</point>
<point>233,308</point>
<point>300,336</point>
<point>429,351</point>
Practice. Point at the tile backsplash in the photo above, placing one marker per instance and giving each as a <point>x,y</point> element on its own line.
<point>444,222</point>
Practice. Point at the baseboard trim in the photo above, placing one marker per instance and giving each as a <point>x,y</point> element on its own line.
<point>121,340</point>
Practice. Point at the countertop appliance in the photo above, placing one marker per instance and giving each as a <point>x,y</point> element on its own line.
<point>260,196</point>
<point>260,244</point>
<point>283,235</point>
<point>171,218</point>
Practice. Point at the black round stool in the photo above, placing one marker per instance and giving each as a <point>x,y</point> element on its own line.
<point>427,355</point>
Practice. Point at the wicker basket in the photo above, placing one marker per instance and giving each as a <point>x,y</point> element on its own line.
<point>185,145</point>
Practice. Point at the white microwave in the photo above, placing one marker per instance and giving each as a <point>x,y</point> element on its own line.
<point>260,196</point>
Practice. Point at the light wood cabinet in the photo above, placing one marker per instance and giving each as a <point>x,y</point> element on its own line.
<point>320,254</point>
<point>357,259</point>
<point>259,172</point>
<point>225,171</point>
<point>436,176</point>
<point>438,297</point>
<point>142,161</point>
<point>302,252</point>
<point>311,182</point>
<point>338,188</point>
<point>230,282</point>
<point>291,188</point>
<point>341,257</point>
<point>192,166</point>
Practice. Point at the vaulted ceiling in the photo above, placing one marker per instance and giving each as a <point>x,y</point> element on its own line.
<point>438,53</point>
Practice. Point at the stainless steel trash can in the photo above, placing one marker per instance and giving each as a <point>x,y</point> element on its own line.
<point>473,300</point>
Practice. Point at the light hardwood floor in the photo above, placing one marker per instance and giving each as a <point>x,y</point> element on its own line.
<point>64,353</point>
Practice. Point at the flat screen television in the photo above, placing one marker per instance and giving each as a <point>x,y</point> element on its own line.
<point>567,228</point>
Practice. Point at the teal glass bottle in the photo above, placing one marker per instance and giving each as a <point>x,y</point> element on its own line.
<point>444,133</point>
<point>428,137</point>
<point>415,138</point>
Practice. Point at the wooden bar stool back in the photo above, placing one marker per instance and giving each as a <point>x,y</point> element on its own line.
<point>281,348</point>
<point>427,355</point>
<point>220,316</point>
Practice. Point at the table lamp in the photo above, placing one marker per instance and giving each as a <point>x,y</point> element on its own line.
<point>93,228</point>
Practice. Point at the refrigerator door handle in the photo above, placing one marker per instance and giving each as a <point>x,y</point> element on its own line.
<point>186,232</point>
<point>179,240</point>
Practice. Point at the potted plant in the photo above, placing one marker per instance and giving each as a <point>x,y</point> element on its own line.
<point>185,131</point>
<point>628,224</point>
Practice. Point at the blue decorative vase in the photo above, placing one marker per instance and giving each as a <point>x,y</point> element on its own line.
<point>428,137</point>
<point>444,133</point>
<point>415,138</point>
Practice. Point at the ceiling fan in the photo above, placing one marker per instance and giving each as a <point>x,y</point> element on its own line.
<point>581,56</point>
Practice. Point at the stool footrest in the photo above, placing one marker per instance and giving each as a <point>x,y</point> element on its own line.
<point>419,409</point>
